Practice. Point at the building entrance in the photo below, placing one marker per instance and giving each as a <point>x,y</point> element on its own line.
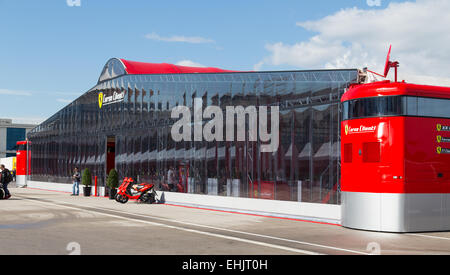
<point>110,154</point>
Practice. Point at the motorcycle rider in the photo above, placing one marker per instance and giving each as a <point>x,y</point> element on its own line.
<point>5,180</point>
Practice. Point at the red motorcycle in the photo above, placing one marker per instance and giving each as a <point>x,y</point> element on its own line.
<point>143,192</point>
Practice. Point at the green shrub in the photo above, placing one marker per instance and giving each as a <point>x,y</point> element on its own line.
<point>113,179</point>
<point>86,178</point>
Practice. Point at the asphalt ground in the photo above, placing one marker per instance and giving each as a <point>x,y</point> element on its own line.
<point>39,222</point>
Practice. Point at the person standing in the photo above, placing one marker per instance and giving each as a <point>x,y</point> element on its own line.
<point>5,180</point>
<point>171,178</point>
<point>76,182</point>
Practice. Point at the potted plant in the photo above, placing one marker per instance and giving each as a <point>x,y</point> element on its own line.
<point>86,180</point>
<point>113,182</point>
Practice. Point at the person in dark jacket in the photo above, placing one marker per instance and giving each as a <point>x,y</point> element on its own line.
<point>76,182</point>
<point>5,180</point>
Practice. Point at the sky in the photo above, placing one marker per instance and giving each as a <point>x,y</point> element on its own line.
<point>52,51</point>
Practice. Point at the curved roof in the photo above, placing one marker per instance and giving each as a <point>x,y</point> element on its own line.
<point>117,67</point>
<point>387,88</point>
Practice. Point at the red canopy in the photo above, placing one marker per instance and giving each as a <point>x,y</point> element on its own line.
<point>388,88</point>
<point>134,67</point>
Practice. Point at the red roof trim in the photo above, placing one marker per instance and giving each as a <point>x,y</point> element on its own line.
<point>134,67</point>
<point>386,88</point>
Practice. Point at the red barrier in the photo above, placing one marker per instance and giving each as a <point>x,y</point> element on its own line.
<point>96,194</point>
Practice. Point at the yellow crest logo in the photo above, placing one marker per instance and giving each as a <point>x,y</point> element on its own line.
<point>346,129</point>
<point>100,100</point>
<point>439,150</point>
<point>439,139</point>
<point>439,127</point>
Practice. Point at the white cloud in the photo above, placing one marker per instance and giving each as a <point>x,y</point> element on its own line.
<point>373,3</point>
<point>14,92</point>
<point>63,100</point>
<point>179,38</point>
<point>258,66</point>
<point>356,38</point>
<point>33,93</point>
<point>66,93</point>
<point>189,63</point>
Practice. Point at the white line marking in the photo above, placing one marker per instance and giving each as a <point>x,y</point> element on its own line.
<point>431,237</point>
<point>290,249</point>
<point>232,231</point>
<point>240,232</point>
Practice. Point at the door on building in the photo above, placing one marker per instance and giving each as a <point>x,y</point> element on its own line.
<point>110,154</point>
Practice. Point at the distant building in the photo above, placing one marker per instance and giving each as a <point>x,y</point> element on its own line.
<point>10,133</point>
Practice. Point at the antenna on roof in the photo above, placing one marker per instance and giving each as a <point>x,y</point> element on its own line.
<point>388,65</point>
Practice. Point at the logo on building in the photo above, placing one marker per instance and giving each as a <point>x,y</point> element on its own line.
<point>100,100</point>
<point>443,151</point>
<point>443,128</point>
<point>104,99</point>
<point>359,130</point>
<point>208,125</point>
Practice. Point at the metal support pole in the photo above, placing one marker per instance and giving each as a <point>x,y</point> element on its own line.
<point>396,66</point>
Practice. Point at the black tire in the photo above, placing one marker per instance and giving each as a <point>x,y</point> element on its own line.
<point>143,198</point>
<point>152,198</point>
<point>124,199</point>
<point>148,198</point>
<point>116,197</point>
<point>121,199</point>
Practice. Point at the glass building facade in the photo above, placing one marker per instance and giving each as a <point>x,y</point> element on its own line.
<point>13,135</point>
<point>124,122</point>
